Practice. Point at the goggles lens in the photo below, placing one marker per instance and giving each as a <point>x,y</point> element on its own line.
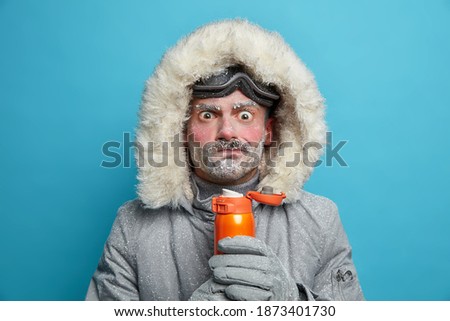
<point>234,78</point>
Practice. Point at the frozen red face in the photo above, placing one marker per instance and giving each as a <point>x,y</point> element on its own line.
<point>226,137</point>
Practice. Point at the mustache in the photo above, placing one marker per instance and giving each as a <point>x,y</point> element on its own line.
<point>233,144</point>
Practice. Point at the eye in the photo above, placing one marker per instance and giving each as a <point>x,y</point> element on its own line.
<point>245,115</point>
<point>206,115</point>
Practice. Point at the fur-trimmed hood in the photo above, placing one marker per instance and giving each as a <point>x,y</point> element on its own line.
<point>165,178</point>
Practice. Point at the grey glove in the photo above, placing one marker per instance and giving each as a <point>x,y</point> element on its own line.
<point>252,271</point>
<point>210,291</point>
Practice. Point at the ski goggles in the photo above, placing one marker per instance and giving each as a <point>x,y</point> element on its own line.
<point>234,78</point>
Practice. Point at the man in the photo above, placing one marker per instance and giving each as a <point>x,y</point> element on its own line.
<point>249,112</point>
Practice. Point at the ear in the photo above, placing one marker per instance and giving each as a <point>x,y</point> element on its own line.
<point>269,131</point>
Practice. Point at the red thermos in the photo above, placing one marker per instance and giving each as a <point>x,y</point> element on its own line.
<point>234,215</point>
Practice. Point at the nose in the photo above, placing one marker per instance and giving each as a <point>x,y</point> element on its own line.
<point>226,130</point>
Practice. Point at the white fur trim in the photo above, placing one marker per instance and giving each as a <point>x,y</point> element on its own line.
<point>209,49</point>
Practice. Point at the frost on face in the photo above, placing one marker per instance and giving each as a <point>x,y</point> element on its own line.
<point>218,161</point>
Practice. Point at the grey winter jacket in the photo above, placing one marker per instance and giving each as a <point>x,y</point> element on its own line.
<point>160,243</point>
<point>163,254</point>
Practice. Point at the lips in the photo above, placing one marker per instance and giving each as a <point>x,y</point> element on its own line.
<point>228,152</point>
<point>227,149</point>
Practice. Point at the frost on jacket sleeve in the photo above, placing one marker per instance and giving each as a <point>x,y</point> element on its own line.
<point>337,278</point>
<point>115,277</point>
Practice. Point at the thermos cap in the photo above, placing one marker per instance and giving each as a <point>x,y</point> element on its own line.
<point>229,205</point>
<point>232,202</point>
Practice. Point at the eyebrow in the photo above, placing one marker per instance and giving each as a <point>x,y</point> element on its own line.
<point>210,107</point>
<point>245,104</point>
<point>207,107</point>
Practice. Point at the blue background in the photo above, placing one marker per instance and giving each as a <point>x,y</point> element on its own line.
<point>71,76</point>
